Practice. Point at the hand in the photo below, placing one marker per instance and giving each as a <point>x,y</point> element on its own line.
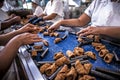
<point>54,27</point>
<point>27,38</point>
<point>30,16</point>
<point>28,28</point>
<point>90,30</point>
<point>16,19</point>
<point>12,15</point>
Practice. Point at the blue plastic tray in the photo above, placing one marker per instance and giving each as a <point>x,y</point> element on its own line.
<point>69,43</point>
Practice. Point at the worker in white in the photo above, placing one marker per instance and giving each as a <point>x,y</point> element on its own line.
<point>36,9</point>
<point>100,13</point>
<point>53,11</point>
<point>5,20</point>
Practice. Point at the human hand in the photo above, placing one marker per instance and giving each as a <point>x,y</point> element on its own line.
<point>16,19</point>
<point>28,28</point>
<point>27,38</point>
<point>90,30</point>
<point>12,15</point>
<point>54,27</point>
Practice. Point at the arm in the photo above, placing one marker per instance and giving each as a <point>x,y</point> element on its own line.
<point>111,31</point>
<point>7,23</point>
<point>81,21</point>
<point>6,37</point>
<point>50,17</point>
<point>9,52</point>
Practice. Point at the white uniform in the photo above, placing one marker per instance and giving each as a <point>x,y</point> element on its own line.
<point>104,13</point>
<point>38,11</point>
<point>3,16</point>
<point>55,7</point>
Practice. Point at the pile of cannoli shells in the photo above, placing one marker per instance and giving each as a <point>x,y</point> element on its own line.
<point>103,52</point>
<point>77,71</point>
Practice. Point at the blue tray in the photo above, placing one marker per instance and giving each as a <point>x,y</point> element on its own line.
<point>69,43</point>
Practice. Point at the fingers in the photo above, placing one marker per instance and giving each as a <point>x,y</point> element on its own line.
<point>86,31</point>
<point>51,28</point>
<point>82,31</point>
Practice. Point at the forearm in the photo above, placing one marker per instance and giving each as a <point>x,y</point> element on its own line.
<point>6,24</point>
<point>81,21</point>
<point>6,37</point>
<point>49,17</point>
<point>7,55</point>
<point>70,23</point>
<point>42,15</point>
<point>111,31</point>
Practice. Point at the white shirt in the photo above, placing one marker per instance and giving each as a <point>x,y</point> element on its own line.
<point>55,7</point>
<point>104,13</point>
<point>38,11</point>
<point>3,15</point>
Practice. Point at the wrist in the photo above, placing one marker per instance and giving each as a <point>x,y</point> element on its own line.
<point>102,31</point>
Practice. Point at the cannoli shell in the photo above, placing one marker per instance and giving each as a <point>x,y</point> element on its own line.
<point>70,54</point>
<point>57,40</point>
<point>44,67</point>
<point>51,69</point>
<point>78,51</point>
<point>62,60</point>
<point>80,68</point>
<point>108,57</point>
<point>91,54</point>
<point>71,75</point>
<point>58,55</point>
<point>87,77</point>
<point>87,67</point>
<point>103,52</point>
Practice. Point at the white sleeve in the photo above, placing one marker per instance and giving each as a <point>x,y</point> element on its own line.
<point>38,11</point>
<point>44,12</point>
<point>90,9</point>
<point>58,8</point>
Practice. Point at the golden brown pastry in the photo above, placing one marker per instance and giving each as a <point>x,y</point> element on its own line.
<point>58,55</point>
<point>46,27</point>
<point>96,38</point>
<point>72,74</point>
<point>62,73</point>
<point>37,46</point>
<point>51,34</point>
<point>94,44</point>
<point>34,53</point>
<point>70,54</point>
<point>80,39</point>
<point>41,29</point>
<point>46,33</point>
<point>62,60</point>
<point>45,43</point>
<point>56,34</point>
<point>44,67</point>
<point>78,51</point>
<point>91,54</point>
<point>87,77</point>
<point>57,40</point>
<point>90,36</point>
<point>103,52</point>
<point>51,69</point>
<point>98,48</point>
<point>80,68</point>
<point>88,67</point>
<point>108,57</point>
